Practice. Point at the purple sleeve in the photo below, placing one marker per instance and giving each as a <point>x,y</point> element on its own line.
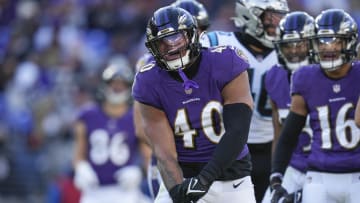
<point>273,80</point>
<point>144,91</point>
<point>297,83</point>
<point>232,62</point>
<point>84,112</point>
<point>268,85</point>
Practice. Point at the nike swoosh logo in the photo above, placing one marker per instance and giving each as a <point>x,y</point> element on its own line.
<point>237,185</point>
<point>192,185</point>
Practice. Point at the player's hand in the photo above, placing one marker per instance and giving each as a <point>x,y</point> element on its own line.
<point>278,192</point>
<point>189,191</point>
<point>85,177</point>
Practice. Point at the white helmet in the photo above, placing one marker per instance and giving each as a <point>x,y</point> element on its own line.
<point>118,68</point>
<point>248,17</point>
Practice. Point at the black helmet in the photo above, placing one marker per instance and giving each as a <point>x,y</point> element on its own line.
<point>335,39</point>
<point>196,9</point>
<point>172,38</point>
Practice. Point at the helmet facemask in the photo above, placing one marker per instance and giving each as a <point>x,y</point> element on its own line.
<point>117,78</point>
<point>335,40</point>
<point>332,51</point>
<point>117,92</point>
<point>270,20</point>
<point>172,38</point>
<point>295,53</point>
<point>293,40</point>
<point>173,50</point>
<point>259,18</point>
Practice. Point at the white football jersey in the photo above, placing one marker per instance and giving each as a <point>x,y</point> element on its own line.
<point>261,129</point>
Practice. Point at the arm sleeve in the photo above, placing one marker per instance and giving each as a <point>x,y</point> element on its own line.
<point>270,77</point>
<point>237,119</point>
<point>289,135</point>
<point>297,84</point>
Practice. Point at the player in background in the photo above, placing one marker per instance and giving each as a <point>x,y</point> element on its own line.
<point>195,114</point>
<point>106,145</point>
<point>293,46</point>
<point>328,93</point>
<point>197,10</point>
<point>257,21</point>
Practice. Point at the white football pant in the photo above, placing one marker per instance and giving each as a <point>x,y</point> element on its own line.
<point>323,187</point>
<point>112,194</point>
<point>234,191</point>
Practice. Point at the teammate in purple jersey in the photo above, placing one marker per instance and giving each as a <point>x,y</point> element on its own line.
<point>190,110</point>
<point>328,93</point>
<point>106,145</point>
<point>293,48</point>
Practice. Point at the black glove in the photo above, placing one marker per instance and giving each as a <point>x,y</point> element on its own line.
<point>189,191</point>
<point>295,197</point>
<point>177,194</point>
<point>278,192</point>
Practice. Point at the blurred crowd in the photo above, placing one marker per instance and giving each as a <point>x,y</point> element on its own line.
<point>51,54</point>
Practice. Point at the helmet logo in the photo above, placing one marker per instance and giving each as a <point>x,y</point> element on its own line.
<point>188,91</point>
<point>344,27</point>
<point>336,88</point>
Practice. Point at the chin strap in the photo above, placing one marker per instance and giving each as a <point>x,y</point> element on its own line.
<point>187,84</point>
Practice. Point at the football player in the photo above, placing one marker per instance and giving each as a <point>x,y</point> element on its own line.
<point>293,48</point>
<point>195,115</point>
<point>257,21</point>
<point>197,10</point>
<point>328,93</point>
<point>106,145</point>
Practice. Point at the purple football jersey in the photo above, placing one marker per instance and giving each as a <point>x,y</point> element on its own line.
<point>277,85</point>
<point>331,105</point>
<point>195,116</point>
<point>112,143</point>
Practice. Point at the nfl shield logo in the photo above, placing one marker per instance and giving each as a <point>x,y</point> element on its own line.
<point>188,91</point>
<point>336,88</point>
